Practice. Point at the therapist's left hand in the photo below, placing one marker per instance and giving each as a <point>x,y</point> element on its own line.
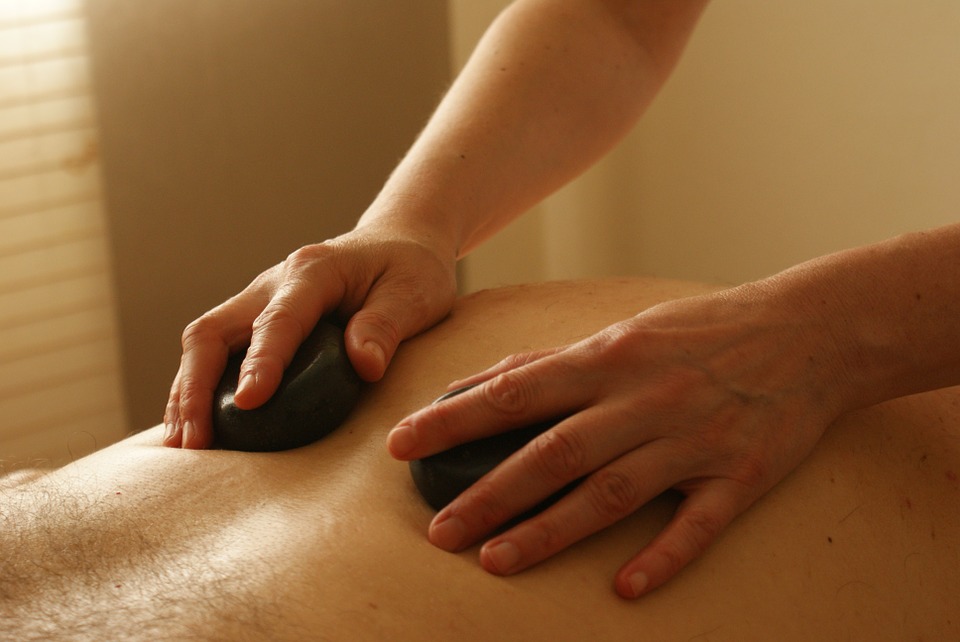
<point>718,397</point>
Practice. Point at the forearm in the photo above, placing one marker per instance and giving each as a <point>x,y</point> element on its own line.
<point>889,313</point>
<point>551,87</point>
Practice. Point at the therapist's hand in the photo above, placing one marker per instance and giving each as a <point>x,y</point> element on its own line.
<point>718,397</point>
<point>388,285</point>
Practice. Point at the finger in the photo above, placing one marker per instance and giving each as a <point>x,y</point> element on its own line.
<point>569,451</point>
<point>509,363</point>
<point>523,396</point>
<point>205,353</point>
<point>203,360</point>
<point>285,322</point>
<point>608,495</point>
<point>172,434</point>
<point>698,521</point>
<point>207,342</point>
<point>390,314</point>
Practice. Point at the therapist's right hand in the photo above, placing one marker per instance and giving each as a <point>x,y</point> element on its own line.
<point>389,286</point>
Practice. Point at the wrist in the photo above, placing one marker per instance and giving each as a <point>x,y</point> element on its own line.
<point>837,340</point>
<point>880,337</point>
<point>411,219</point>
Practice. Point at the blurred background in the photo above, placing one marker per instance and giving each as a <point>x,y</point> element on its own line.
<point>155,156</point>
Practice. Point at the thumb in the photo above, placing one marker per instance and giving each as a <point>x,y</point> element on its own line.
<point>374,332</point>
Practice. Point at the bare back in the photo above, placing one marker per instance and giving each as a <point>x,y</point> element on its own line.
<point>328,541</point>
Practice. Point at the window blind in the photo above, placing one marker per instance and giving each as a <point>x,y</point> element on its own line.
<point>59,374</point>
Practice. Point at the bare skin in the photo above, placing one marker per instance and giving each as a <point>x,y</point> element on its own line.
<point>465,178</point>
<point>719,397</point>
<point>139,541</point>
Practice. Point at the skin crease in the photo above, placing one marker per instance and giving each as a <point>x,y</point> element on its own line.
<point>719,397</point>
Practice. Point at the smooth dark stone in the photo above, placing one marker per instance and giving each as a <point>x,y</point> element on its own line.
<point>441,477</point>
<point>317,392</point>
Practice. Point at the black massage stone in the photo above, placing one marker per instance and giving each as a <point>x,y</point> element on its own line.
<point>443,476</point>
<point>318,390</point>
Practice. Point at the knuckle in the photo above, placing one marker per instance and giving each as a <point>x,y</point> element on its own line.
<point>558,455</point>
<point>305,268</point>
<point>263,280</point>
<point>510,393</point>
<point>512,361</point>
<point>308,256</point>
<point>193,394</point>
<point>515,361</point>
<point>266,280</point>
<point>434,423</point>
<point>205,329</point>
<point>692,535</point>
<point>625,336</point>
<point>699,528</point>
<point>751,471</point>
<point>548,534</point>
<point>488,508</point>
<point>709,439</point>
<point>280,317</point>
<point>172,410</point>
<point>715,438</point>
<point>705,526</point>
<point>441,427</point>
<point>673,557</point>
<point>612,494</point>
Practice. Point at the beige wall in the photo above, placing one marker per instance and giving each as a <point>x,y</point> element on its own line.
<point>790,129</point>
<point>235,131</point>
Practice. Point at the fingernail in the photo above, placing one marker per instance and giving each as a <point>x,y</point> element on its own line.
<point>448,533</point>
<point>638,583</point>
<point>247,381</point>
<point>503,556</point>
<point>188,432</point>
<point>168,431</point>
<point>376,351</point>
<point>401,441</point>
